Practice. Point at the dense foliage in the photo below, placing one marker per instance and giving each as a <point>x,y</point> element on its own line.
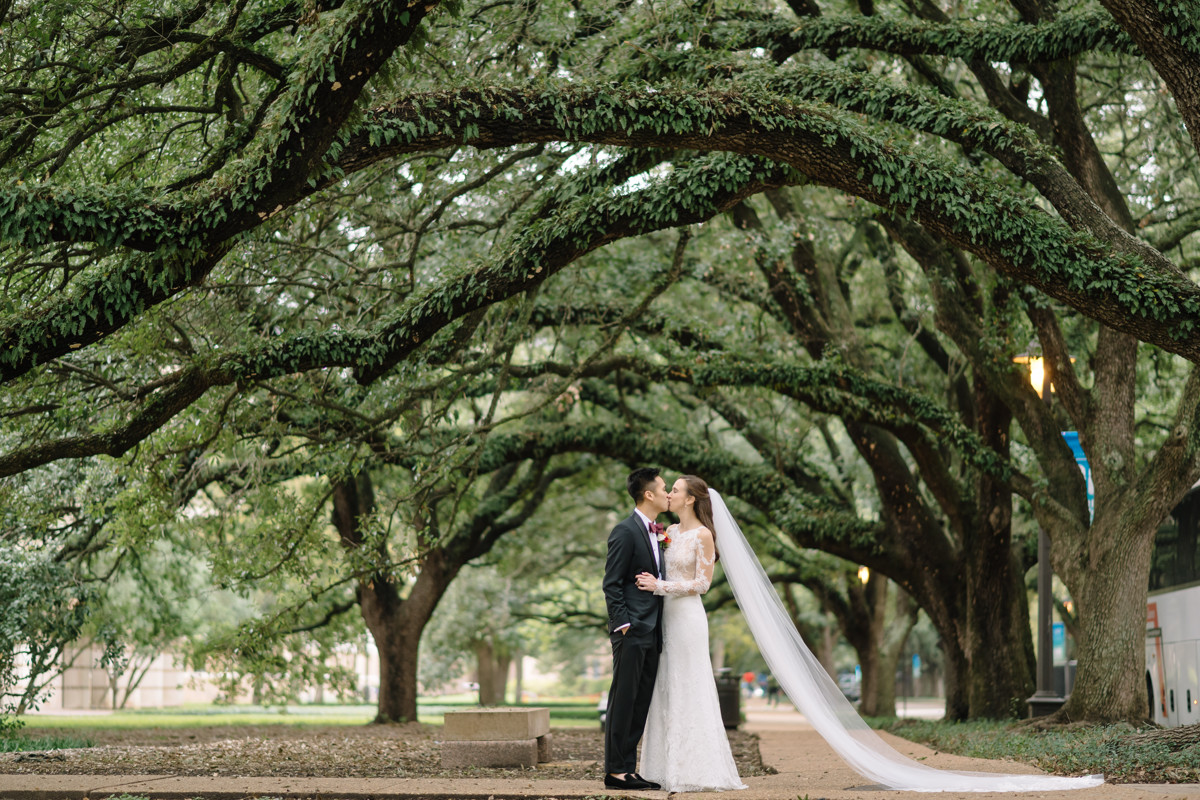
<point>337,294</point>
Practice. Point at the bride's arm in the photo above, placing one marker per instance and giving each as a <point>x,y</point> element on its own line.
<point>705,560</point>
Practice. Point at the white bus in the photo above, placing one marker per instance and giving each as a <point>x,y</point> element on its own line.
<point>1173,619</point>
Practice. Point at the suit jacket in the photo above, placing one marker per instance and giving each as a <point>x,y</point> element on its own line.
<point>629,554</point>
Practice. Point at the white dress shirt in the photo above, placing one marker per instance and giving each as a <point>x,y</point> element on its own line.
<point>653,539</point>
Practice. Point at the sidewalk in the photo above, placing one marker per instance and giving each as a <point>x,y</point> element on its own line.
<point>807,767</point>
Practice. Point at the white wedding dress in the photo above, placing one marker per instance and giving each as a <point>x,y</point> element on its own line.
<point>684,747</point>
<point>814,693</point>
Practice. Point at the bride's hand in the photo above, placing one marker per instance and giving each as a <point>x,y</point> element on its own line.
<point>646,582</point>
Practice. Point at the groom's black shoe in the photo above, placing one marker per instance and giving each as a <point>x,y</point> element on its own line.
<point>649,784</point>
<point>630,781</point>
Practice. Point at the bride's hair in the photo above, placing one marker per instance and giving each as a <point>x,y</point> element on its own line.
<point>698,489</point>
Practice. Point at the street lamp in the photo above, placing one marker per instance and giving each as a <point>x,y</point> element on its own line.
<point>1045,699</point>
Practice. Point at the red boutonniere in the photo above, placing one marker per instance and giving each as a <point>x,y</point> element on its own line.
<point>664,540</point>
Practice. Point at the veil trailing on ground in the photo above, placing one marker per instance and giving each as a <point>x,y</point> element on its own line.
<point>818,698</point>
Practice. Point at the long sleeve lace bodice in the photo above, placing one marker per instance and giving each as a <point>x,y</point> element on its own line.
<point>690,561</point>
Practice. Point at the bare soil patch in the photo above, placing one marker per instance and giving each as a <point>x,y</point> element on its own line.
<point>369,751</point>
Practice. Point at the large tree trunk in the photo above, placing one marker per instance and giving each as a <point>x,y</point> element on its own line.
<point>395,623</point>
<point>990,612</point>
<point>492,665</point>
<point>877,682</point>
<point>958,707</point>
<point>824,653</point>
<point>998,639</point>
<point>997,636</point>
<point>879,696</point>
<point>1110,682</point>
<point>396,637</point>
<point>921,558</point>
<point>397,626</point>
<point>889,635</point>
<point>878,638</point>
<point>932,577</point>
<point>870,659</point>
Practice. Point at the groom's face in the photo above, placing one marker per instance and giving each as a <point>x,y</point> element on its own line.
<point>656,495</point>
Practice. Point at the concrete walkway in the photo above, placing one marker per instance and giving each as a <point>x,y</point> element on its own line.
<point>808,770</point>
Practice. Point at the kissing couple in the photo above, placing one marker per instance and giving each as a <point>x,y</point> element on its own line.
<point>663,693</point>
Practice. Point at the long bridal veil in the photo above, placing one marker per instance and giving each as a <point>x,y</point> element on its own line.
<point>818,698</point>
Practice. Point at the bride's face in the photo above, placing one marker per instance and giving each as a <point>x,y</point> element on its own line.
<point>677,497</point>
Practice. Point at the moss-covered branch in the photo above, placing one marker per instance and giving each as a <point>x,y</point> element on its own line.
<point>1069,34</point>
<point>707,187</point>
<point>829,387</point>
<point>973,126</point>
<point>1132,291</point>
<point>807,518</point>
<point>832,148</point>
<point>186,234</point>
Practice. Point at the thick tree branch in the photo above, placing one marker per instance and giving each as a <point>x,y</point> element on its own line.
<point>1168,34</point>
<point>826,387</point>
<point>188,243</point>
<point>1150,299</point>
<point>1068,35</point>
<point>704,188</point>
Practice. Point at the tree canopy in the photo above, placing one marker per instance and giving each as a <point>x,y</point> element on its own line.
<point>432,255</point>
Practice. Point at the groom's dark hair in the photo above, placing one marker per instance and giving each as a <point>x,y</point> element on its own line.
<point>638,480</point>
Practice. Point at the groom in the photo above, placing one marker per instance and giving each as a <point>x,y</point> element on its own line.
<point>635,627</point>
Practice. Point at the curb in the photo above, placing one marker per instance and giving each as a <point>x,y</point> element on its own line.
<point>166,787</point>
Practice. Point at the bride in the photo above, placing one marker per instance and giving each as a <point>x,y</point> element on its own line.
<point>684,746</point>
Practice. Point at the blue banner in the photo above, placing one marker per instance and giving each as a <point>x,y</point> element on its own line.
<point>1072,438</point>
<point>1058,637</point>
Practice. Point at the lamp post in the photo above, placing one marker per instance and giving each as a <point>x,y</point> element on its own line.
<point>1045,699</point>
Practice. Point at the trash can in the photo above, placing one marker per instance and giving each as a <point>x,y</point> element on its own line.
<point>729,697</point>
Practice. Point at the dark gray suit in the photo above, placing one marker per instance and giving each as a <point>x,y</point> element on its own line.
<point>635,653</point>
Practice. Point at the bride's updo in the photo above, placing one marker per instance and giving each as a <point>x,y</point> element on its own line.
<point>698,489</point>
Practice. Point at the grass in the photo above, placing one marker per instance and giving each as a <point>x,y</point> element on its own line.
<point>567,713</point>
<point>1102,749</point>
<point>18,743</point>
<point>205,716</point>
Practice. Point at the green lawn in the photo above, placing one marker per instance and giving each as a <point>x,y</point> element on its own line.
<point>1106,749</point>
<point>202,716</point>
<point>572,712</point>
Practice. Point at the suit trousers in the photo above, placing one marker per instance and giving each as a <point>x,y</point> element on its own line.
<point>635,666</point>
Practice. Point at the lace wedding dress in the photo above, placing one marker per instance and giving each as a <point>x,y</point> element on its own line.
<point>684,746</point>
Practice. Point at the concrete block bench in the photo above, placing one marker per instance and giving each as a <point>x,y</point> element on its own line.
<point>496,737</point>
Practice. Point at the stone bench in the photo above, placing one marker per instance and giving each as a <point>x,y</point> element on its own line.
<point>496,737</point>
